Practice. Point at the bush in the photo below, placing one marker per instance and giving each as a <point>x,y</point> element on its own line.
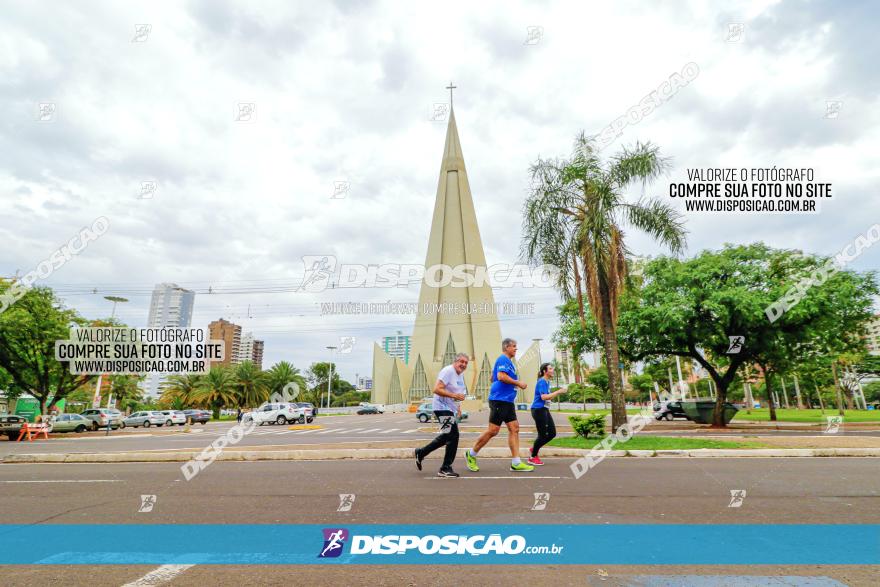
<point>591,425</point>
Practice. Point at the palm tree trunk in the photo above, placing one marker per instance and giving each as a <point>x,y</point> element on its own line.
<point>770,403</point>
<point>579,292</point>
<point>612,363</point>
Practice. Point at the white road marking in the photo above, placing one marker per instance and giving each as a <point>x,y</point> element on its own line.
<point>159,575</point>
<point>391,430</point>
<point>300,432</point>
<point>410,431</point>
<point>509,478</point>
<point>355,429</point>
<point>331,430</point>
<point>370,430</point>
<point>67,481</point>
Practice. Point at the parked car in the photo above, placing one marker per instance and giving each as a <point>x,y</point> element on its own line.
<point>173,417</point>
<point>380,408</point>
<point>10,425</point>
<point>669,411</point>
<point>280,413</point>
<point>310,410</point>
<point>367,410</point>
<point>425,412</point>
<point>100,416</point>
<point>145,419</point>
<point>198,416</point>
<point>70,423</point>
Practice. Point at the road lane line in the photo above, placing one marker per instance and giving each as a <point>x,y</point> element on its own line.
<point>410,431</point>
<point>391,430</point>
<point>370,430</point>
<point>159,575</point>
<point>332,430</point>
<point>510,478</point>
<point>67,481</point>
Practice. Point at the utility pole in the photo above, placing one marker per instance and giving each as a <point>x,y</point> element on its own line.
<point>330,374</point>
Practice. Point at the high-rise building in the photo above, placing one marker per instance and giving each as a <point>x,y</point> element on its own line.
<point>364,383</point>
<point>230,334</point>
<point>250,349</point>
<point>171,306</point>
<point>565,366</point>
<point>257,356</point>
<point>397,346</point>
<point>872,335</point>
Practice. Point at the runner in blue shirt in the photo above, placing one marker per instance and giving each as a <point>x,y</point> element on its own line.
<point>541,413</point>
<point>502,410</point>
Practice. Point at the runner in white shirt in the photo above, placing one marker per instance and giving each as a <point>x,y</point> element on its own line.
<point>449,388</point>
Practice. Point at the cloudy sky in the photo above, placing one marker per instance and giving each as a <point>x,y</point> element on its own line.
<point>345,91</point>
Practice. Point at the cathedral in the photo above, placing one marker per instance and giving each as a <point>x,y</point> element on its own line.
<point>439,335</point>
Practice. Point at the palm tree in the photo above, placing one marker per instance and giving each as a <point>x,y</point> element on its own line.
<point>283,373</point>
<point>126,390</point>
<point>180,391</point>
<point>250,384</point>
<point>574,218</point>
<point>217,389</point>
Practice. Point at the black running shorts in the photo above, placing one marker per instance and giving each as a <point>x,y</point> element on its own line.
<point>501,412</point>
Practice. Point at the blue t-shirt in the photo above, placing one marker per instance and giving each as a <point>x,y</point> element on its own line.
<point>543,386</point>
<point>503,392</point>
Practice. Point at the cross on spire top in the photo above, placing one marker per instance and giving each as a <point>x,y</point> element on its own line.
<point>450,87</point>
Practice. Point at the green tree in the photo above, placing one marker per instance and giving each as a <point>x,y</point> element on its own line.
<point>28,331</point>
<point>283,373</point>
<point>217,389</point>
<point>182,391</point>
<point>250,384</point>
<point>126,390</point>
<point>692,308</point>
<point>576,213</point>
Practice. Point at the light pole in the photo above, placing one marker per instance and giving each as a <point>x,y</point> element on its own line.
<point>115,300</point>
<point>330,374</point>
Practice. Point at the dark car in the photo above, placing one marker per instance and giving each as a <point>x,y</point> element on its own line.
<point>669,411</point>
<point>197,416</point>
<point>368,410</point>
<point>10,425</point>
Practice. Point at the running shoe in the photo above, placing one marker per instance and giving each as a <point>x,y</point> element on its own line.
<point>521,466</point>
<point>471,461</point>
<point>418,459</point>
<point>535,461</point>
<point>447,473</point>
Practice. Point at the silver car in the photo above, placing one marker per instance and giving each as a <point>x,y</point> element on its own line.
<point>70,423</point>
<point>101,416</point>
<point>145,419</point>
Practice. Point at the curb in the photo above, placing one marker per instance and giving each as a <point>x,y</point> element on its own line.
<point>406,453</point>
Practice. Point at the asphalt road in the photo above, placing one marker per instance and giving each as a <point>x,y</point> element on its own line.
<point>352,430</point>
<point>619,491</point>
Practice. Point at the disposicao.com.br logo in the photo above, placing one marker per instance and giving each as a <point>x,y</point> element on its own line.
<point>451,544</point>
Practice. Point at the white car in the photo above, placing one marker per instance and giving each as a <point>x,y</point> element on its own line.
<point>276,414</point>
<point>174,417</point>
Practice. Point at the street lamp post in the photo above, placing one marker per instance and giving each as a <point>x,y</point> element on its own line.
<point>115,300</point>
<point>330,374</point>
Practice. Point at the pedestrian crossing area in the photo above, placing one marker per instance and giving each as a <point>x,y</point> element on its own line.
<point>334,431</point>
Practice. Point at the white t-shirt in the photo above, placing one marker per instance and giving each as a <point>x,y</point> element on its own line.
<point>454,383</point>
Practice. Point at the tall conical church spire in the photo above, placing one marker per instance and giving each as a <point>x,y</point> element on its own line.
<point>454,242</point>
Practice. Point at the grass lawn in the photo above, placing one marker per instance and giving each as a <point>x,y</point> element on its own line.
<point>653,443</point>
<point>602,411</point>
<point>815,416</point>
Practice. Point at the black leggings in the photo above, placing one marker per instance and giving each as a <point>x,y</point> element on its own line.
<point>448,439</point>
<point>546,428</point>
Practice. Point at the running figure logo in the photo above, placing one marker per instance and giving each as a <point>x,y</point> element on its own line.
<point>737,496</point>
<point>334,540</point>
<point>346,500</point>
<point>832,426</point>
<point>446,423</point>
<point>147,503</point>
<point>319,269</point>
<point>736,344</point>
<point>541,500</point>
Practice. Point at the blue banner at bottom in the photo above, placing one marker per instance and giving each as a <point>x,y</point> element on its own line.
<point>382,544</point>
